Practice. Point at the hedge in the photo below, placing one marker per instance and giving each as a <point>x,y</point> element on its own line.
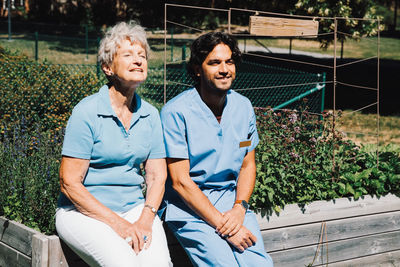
<point>299,158</point>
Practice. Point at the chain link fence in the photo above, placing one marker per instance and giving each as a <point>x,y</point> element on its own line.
<point>30,85</point>
<point>264,85</point>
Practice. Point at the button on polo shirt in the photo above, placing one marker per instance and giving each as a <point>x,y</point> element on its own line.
<point>94,132</point>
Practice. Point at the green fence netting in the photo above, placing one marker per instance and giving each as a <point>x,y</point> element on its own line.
<point>264,85</point>
<point>48,92</point>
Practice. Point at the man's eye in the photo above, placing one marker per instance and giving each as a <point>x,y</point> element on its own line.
<point>213,63</point>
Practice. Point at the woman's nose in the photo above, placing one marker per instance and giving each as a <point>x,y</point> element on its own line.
<point>137,60</point>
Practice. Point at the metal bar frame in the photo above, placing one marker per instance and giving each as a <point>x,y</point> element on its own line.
<point>334,67</point>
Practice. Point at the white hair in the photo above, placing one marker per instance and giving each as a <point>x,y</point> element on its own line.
<point>115,35</point>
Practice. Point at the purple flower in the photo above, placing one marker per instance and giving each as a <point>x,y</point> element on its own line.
<point>291,139</point>
<point>313,140</point>
<point>293,117</point>
<point>284,127</point>
<point>293,155</point>
<point>297,129</point>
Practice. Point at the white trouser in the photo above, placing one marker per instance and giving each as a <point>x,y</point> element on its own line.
<point>99,245</point>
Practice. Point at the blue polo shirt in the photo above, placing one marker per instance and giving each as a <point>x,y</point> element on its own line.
<point>215,150</point>
<point>94,132</point>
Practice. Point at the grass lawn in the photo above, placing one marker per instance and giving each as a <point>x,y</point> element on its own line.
<point>61,50</point>
<point>363,48</point>
<point>363,128</point>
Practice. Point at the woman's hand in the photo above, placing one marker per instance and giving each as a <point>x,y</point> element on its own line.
<point>233,221</point>
<point>141,234</point>
<point>135,233</point>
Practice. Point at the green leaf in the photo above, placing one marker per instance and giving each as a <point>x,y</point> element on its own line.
<point>349,189</point>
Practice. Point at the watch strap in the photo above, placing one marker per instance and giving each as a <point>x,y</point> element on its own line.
<point>244,203</point>
<point>151,208</point>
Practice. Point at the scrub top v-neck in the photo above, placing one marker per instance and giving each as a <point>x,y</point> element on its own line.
<point>215,150</point>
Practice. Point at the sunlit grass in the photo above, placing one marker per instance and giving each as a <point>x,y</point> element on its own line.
<point>61,50</point>
<point>363,128</point>
<point>389,48</point>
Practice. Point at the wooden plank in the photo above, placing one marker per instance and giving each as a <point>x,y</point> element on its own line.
<point>56,255</point>
<point>68,257</point>
<point>40,251</point>
<point>338,250</point>
<point>273,26</point>
<point>309,234</point>
<point>388,259</point>
<point>17,236</point>
<point>329,210</point>
<point>12,257</point>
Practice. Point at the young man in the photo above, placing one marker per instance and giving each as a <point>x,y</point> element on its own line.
<point>210,135</point>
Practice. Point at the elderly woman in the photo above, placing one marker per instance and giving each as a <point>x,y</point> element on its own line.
<point>103,215</point>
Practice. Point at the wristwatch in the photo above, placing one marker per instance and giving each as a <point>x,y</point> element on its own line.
<point>151,208</point>
<point>244,204</point>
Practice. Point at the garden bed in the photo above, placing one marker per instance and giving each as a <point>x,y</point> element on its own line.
<point>340,232</point>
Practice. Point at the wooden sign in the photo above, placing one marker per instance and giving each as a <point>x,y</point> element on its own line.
<point>272,26</point>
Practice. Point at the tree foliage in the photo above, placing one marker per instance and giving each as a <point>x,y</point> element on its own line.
<point>347,11</point>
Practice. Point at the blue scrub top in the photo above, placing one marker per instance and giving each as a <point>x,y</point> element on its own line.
<point>215,150</point>
<point>94,132</point>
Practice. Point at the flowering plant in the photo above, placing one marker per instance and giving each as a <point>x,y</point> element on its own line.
<point>302,158</point>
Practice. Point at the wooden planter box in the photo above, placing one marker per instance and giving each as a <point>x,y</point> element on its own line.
<point>342,232</point>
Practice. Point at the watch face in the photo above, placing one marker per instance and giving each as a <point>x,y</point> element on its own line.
<point>245,205</point>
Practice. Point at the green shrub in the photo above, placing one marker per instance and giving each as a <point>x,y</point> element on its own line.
<point>301,159</point>
<point>39,92</point>
<point>29,163</point>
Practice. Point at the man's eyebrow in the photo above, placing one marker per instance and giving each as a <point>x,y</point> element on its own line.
<point>213,60</point>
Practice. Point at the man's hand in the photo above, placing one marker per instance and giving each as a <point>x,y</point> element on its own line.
<point>233,221</point>
<point>243,239</point>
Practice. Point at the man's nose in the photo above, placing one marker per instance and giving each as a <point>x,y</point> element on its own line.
<point>223,68</point>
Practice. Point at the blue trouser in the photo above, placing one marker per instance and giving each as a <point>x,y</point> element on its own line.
<point>206,248</point>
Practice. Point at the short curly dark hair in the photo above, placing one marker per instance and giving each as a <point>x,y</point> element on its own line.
<point>204,44</point>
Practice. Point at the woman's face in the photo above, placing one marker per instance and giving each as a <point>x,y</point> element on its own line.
<point>130,62</point>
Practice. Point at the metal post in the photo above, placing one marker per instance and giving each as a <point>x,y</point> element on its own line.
<point>334,97</point>
<point>9,20</point>
<point>184,52</point>
<point>290,46</point>
<point>341,48</point>
<point>323,92</point>
<point>229,21</point>
<point>36,46</point>
<point>165,53</point>
<point>172,44</point>
<point>98,67</point>
<point>87,42</point>
<point>377,94</point>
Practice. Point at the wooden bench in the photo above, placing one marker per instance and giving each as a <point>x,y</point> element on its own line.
<point>342,232</point>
